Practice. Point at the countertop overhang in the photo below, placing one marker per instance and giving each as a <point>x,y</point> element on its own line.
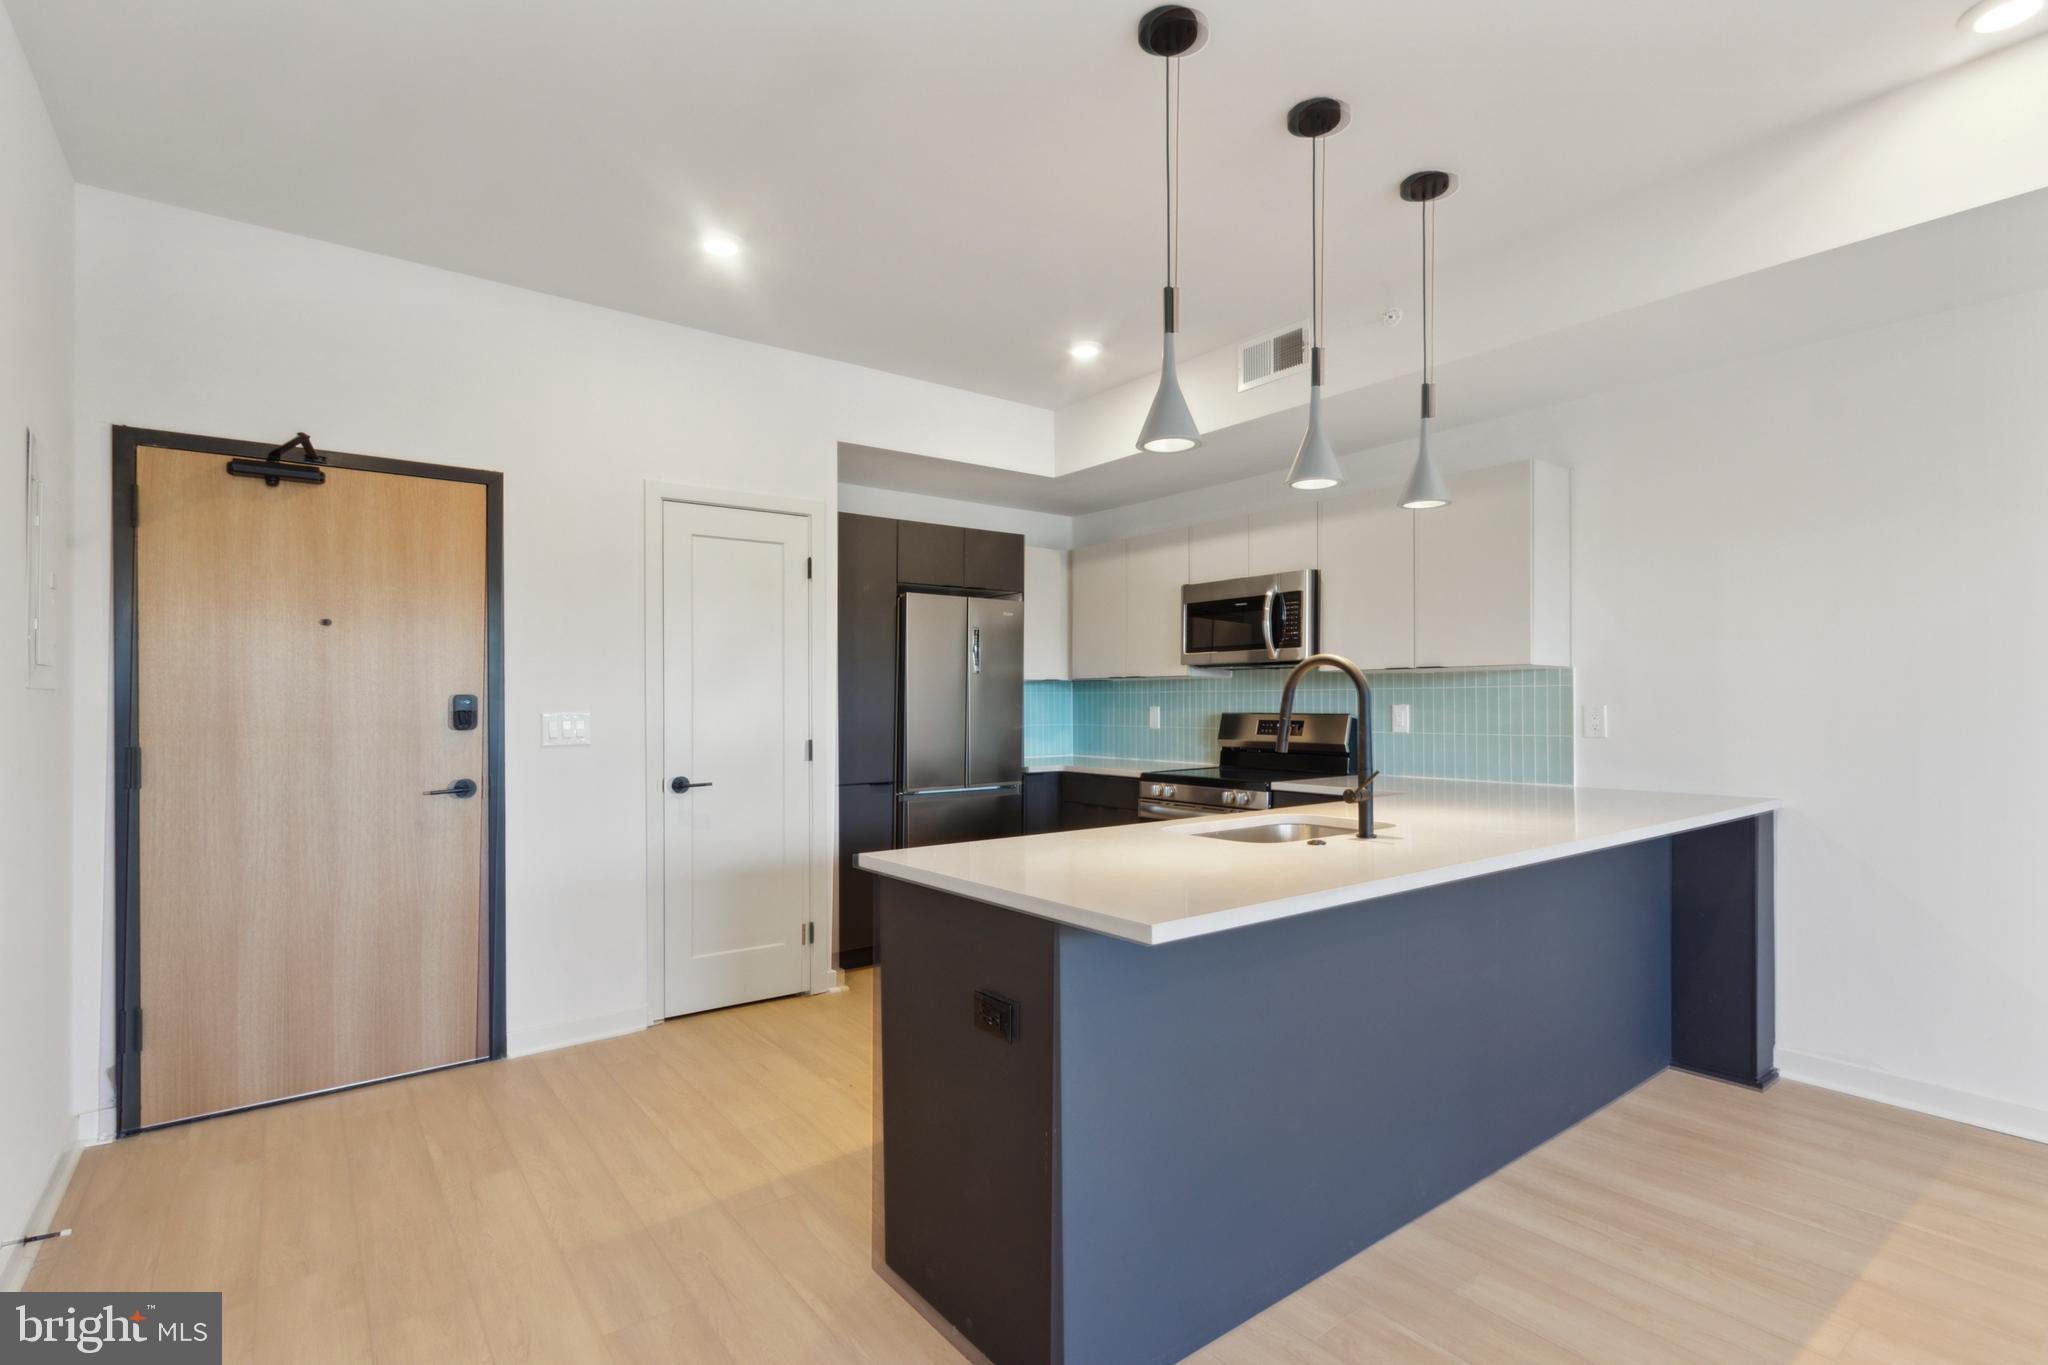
<point>1158,882</point>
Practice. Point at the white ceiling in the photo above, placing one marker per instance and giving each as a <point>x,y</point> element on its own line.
<point>949,189</point>
<point>1950,262</point>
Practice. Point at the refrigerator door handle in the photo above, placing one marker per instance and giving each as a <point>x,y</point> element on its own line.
<point>974,650</point>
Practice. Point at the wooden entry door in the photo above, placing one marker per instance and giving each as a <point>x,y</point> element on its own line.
<point>307,915</point>
<point>735,724</point>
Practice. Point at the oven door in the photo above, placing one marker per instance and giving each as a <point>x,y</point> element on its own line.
<point>1174,810</point>
<point>1262,620</point>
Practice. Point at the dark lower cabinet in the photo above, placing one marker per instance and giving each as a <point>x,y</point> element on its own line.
<point>1092,801</point>
<point>867,821</point>
<point>1041,802</point>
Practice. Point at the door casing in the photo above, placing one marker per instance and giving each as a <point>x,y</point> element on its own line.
<point>823,549</point>
<point>127,860</point>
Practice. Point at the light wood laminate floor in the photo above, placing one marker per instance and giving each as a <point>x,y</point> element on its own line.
<point>700,1193</point>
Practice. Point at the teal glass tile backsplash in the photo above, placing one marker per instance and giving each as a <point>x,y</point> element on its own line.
<point>1511,725</point>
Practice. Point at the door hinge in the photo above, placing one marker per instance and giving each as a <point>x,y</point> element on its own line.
<point>807,751</point>
<point>810,931</point>
<point>807,566</point>
<point>132,761</point>
<point>135,1029</point>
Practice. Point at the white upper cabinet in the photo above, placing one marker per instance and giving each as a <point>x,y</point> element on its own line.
<point>1045,612</point>
<point>1482,583</point>
<point>1493,571</point>
<point>1366,552</point>
<point>1219,550</point>
<point>1099,590</point>
<point>1157,569</point>
<point>1282,540</point>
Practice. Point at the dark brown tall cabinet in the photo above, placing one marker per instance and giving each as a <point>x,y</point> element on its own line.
<point>867,720</point>
<point>878,558</point>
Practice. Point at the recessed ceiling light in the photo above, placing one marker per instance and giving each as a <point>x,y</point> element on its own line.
<point>1084,350</point>
<point>718,244</point>
<point>1996,16</point>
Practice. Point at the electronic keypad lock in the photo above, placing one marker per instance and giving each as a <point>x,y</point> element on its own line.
<point>462,711</point>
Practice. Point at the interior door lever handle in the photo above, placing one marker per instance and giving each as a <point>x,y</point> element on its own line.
<point>461,789</point>
<point>684,784</point>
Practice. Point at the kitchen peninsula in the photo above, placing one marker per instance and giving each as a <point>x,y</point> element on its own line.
<point>1138,1083</point>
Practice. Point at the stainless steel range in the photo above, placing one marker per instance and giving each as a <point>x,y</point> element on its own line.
<point>1318,746</point>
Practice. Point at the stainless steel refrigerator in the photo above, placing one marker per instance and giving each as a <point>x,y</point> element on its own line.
<point>961,774</point>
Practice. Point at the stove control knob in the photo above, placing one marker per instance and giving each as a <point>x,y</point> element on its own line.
<point>1167,792</point>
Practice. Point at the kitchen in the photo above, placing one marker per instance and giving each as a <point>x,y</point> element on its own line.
<point>1292,682</point>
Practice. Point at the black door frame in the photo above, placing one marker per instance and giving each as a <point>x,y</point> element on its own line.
<point>127,799</point>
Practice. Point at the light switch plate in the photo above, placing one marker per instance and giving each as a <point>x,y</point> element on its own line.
<point>1152,718</point>
<point>564,727</point>
<point>1401,722</point>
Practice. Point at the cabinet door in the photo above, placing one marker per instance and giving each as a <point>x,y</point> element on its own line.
<point>1045,613</point>
<point>1219,549</point>
<point>1157,571</point>
<point>994,561</point>
<point>1365,548</point>
<point>867,818</point>
<point>1041,802</point>
<point>1284,539</point>
<point>1472,573</point>
<point>931,556</point>
<point>1097,610</point>
<point>867,648</point>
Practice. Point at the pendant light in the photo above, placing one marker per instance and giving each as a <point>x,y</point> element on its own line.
<point>1315,464</point>
<point>1171,32</point>
<point>1426,488</point>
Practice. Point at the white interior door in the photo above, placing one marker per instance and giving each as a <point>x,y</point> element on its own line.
<point>736,704</point>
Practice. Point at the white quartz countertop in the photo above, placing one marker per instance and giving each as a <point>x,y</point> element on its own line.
<point>1158,881</point>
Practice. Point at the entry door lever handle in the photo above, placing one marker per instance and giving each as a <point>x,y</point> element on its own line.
<point>461,789</point>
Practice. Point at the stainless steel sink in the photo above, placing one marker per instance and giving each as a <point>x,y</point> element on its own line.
<point>1282,832</point>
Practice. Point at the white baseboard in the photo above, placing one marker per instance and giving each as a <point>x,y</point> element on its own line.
<point>14,1270</point>
<point>1979,1111</point>
<point>95,1126</point>
<point>548,1037</point>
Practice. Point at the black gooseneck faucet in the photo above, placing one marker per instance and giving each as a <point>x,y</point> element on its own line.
<point>1362,771</point>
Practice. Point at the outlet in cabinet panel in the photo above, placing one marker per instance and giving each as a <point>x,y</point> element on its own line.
<point>1157,569</point>
<point>1096,610</point>
<point>1366,552</point>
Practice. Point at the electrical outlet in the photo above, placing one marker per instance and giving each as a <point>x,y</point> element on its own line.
<point>1152,717</point>
<point>1593,722</point>
<point>1401,722</point>
<point>994,1014</point>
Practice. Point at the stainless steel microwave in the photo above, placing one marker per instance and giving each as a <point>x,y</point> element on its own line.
<point>1266,619</point>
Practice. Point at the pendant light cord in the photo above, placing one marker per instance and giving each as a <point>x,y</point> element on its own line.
<point>1172,172</point>
<point>1315,222</point>
<point>1428,288</point>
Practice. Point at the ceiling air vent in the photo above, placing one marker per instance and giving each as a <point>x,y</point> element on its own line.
<point>1270,355</point>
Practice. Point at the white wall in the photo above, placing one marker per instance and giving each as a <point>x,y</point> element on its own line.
<point>196,324</point>
<point>35,775</point>
<point>1049,529</point>
<point>1823,575</point>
